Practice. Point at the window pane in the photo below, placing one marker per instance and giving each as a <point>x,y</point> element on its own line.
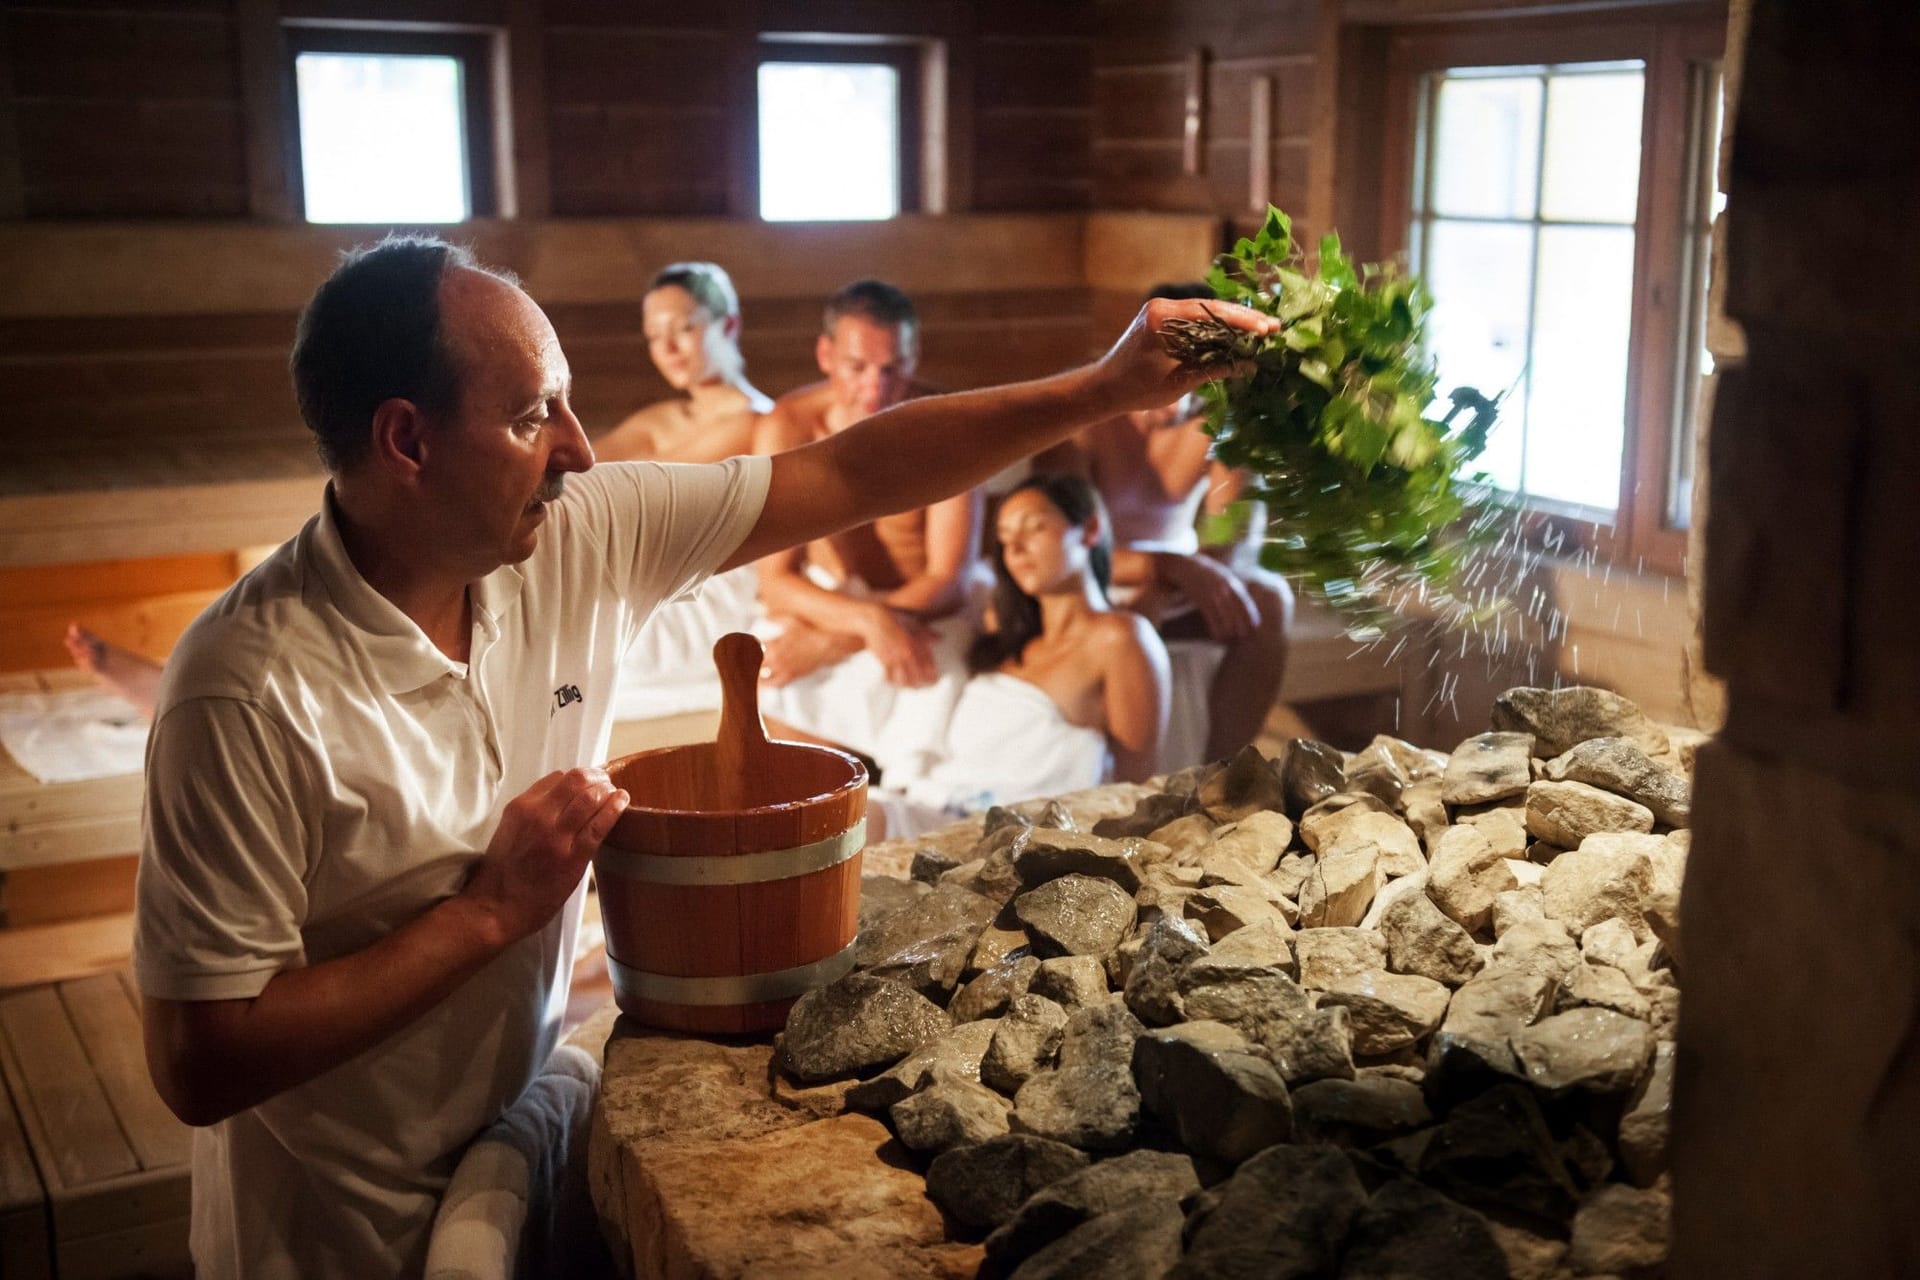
<point>1486,150</point>
<point>1577,386</point>
<point>1481,278</point>
<point>1593,147</point>
<point>382,138</point>
<point>829,141</point>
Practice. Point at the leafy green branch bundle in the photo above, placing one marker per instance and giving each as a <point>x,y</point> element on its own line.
<point>1361,487</point>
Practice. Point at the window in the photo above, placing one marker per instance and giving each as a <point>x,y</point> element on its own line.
<point>392,127</point>
<point>1524,230</point>
<point>838,129</point>
<point>1557,196</point>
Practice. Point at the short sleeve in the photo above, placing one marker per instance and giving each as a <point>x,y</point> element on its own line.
<point>221,893</point>
<point>668,526</point>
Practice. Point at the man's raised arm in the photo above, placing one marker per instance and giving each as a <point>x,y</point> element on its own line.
<point>916,453</point>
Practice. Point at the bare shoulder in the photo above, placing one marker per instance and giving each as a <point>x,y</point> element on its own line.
<point>1124,632</point>
<point>637,435</point>
<point>798,417</point>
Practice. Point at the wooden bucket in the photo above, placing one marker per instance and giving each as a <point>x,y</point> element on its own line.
<point>731,885</point>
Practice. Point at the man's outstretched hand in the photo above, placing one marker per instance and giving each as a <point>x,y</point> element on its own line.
<point>1138,373</point>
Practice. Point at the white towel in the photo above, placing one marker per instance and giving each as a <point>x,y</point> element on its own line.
<point>514,1205</point>
<point>853,703</point>
<point>1006,742</point>
<point>669,669</point>
<point>73,735</point>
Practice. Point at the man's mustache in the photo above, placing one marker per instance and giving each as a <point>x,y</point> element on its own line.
<point>551,488</point>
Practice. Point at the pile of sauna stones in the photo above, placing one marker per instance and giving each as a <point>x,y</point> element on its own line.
<point>1388,1013</point>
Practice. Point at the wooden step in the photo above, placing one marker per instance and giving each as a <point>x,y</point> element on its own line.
<point>111,1161</point>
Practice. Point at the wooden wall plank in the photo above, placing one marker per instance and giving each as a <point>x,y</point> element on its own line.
<point>50,895</point>
<point>62,1107</point>
<point>109,1030</point>
<point>54,271</point>
<point>19,1176</point>
<point>46,953</point>
<point>12,180</point>
<point>75,55</point>
<point>259,60</point>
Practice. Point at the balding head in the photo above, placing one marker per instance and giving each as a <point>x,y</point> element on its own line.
<point>373,332</point>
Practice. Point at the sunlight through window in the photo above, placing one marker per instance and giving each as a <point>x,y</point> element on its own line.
<point>382,138</point>
<point>1524,228</point>
<point>829,141</point>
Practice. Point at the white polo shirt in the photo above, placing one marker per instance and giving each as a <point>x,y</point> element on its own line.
<point>319,774</point>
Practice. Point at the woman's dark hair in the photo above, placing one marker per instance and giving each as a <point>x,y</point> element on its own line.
<point>372,333</point>
<point>1017,614</point>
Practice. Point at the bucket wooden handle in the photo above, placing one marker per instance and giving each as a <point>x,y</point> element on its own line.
<point>742,743</point>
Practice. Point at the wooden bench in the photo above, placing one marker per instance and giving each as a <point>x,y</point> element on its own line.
<point>93,1167</point>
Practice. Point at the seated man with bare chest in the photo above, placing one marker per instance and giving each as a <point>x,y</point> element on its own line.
<point>1154,470</point>
<point>868,628</point>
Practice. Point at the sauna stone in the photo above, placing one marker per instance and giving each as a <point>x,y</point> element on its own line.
<point>1248,785</point>
<point>1387,1012</point>
<point>1259,840</point>
<point>1100,1035</point>
<point>1140,1240</point>
<point>1495,1151</point>
<point>1619,766</point>
<point>949,1113</point>
<point>1561,719</point>
<point>1150,814</point>
<point>1621,1231</point>
<point>1566,813</point>
<point>947,908</point>
<point>1540,946</point>
<point>1050,854</point>
<point>1093,1108</point>
<point>1285,1212</point>
<point>1262,946</point>
<point>1024,1044</point>
<point>1464,875</point>
<point>1341,887</point>
<point>858,1023</point>
<point>1325,956</point>
<point>1228,908</point>
<point>1602,987</point>
<point>1076,915</point>
<point>1411,1230</point>
<point>1358,1113</point>
<point>981,1186</point>
<point>988,995</point>
<point>1601,880</point>
<point>1072,982</point>
<point>1490,766</point>
<point>1139,1177</point>
<point>953,1055</point>
<point>1335,811</point>
<point>1311,772</point>
<point>1590,1049</point>
<point>1204,1081</point>
<point>1152,990</point>
<point>1395,845</point>
<point>1421,940</point>
<point>1647,1122</point>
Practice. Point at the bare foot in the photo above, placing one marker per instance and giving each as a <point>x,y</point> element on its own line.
<point>132,676</point>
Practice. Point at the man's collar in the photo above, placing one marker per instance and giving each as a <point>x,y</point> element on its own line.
<point>403,658</point>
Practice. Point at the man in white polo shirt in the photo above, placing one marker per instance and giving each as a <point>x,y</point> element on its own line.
<point>369,794</point>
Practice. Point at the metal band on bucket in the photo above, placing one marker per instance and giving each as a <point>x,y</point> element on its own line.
<point>733,868</point>
<point>744,988</point>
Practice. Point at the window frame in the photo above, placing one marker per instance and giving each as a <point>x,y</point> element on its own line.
<point>476,51</point>
<point>1668,45</point>
<point>905,56</point>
